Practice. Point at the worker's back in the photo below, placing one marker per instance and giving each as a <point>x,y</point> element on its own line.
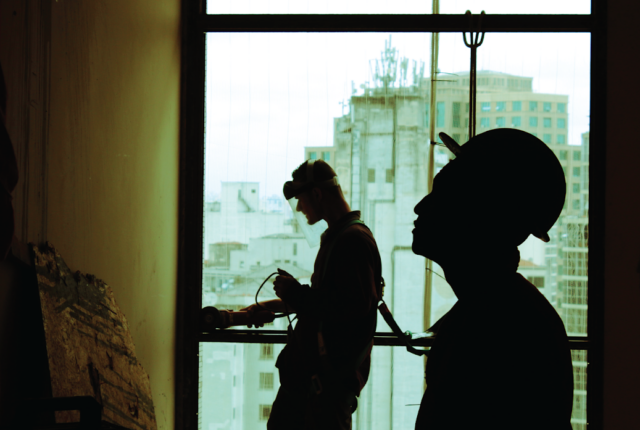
<point>500,361</point>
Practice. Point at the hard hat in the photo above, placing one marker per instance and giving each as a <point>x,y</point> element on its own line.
<point>518,168</point>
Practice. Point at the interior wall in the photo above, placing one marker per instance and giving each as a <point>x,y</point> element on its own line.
<point>113,163</point>
<point>622,212</point>
<point>110,147</point>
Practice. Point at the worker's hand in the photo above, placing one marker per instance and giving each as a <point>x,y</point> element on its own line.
<point>258,315</point>
<point>284,284</point>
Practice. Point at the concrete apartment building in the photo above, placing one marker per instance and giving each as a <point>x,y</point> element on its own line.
<point>246,239</point>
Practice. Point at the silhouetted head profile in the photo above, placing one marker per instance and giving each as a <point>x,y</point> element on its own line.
<point>502,186</point>
<point>316,187</point>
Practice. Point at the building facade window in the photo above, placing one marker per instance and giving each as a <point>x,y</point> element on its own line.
<point>266,351</point>
<point>501,106</point>
<point>440,114</point>
<point>266,381</point>
<point>546,138</point>
<point>533,106</point>
<point>326,156</point>
<point>313,155</point>
<point>533,121</point>
<point>485,107</point>
<point>516,121</point>
<point>577,155</point>
<point>562,123</point>
<point>537,281</point>
<point>576,172</point>
<point>546,106</point>
<point>264,411</point>
<point>563,155</point>
<point>516,106</point>
<point>456,114</point>
<point>389,175</point>
<point>295,249</point>
<point>576,188</point>
<point>500,121</point>
<point>485,122</point>
<point>371,175</point>
<point>546,122</point>
<point>561,138</point>
<point>562,107</point>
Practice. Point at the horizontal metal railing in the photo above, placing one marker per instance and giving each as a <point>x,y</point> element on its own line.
<point>379,339</point>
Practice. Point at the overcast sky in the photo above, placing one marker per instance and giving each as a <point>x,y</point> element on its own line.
<point>270,95</point>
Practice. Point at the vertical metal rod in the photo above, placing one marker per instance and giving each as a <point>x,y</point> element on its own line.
<point>472,93</point>
<point>475,40</point>
<point>435,39</point>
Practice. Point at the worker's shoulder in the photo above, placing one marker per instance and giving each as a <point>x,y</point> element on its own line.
<point>356,238</point>
<point>356,232</point>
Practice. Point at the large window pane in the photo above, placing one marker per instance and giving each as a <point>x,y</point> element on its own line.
<point>238,383</point>
<point>395,7</point>
<point>232,398</point>
<point>274,100</point>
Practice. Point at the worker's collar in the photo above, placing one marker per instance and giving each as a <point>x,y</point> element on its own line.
<point>328,233</point>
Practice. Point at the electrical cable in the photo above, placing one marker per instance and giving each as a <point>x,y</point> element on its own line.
<point>277,315</point>
<point>286,313</point>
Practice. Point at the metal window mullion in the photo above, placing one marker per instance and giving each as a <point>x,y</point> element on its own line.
<point>394,23</point>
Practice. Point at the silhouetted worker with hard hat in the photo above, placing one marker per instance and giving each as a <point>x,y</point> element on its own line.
<point>501,357</point>
<point>326,361</point>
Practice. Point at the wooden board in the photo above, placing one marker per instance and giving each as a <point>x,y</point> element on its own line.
<point>89,346</point>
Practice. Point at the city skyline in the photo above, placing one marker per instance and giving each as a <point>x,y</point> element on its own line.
<point>276,93</point>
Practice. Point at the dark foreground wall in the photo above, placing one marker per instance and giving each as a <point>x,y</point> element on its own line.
<point>622,212</point>
<point>93,113</point>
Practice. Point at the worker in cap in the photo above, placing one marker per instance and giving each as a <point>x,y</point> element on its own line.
<point>326,361</point>
<point>501,357</point>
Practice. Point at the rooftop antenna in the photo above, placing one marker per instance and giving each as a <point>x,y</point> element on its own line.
<point>387,67</point>
<point>343,104</point>
<point>404,64</point>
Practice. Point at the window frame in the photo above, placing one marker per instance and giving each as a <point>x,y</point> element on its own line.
<point>196,23</point>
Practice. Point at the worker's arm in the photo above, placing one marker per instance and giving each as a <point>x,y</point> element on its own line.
<point>353,290</point>
<point>275,306</point>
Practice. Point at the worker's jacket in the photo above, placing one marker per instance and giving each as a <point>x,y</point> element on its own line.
<point>343,296</point>
<point>501,360</point>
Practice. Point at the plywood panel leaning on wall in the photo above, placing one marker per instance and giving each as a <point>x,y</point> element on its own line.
<point>89,346</point>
